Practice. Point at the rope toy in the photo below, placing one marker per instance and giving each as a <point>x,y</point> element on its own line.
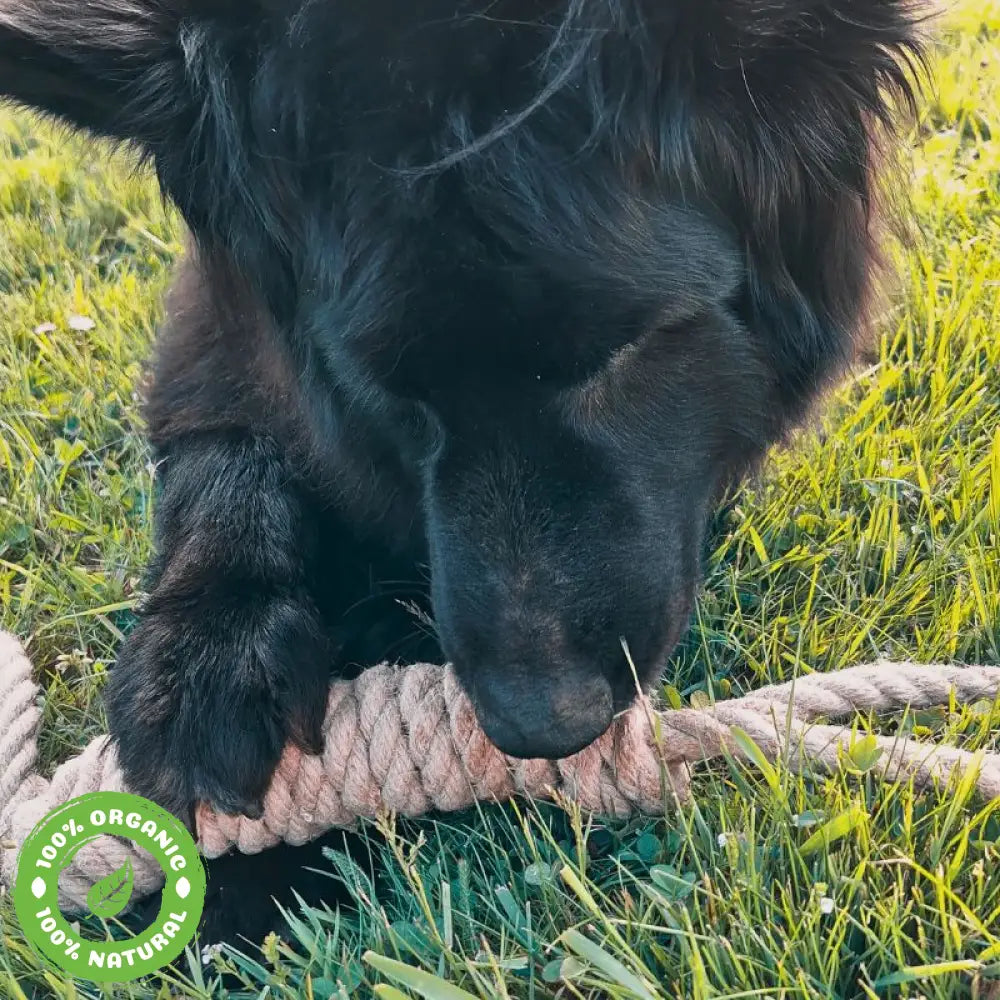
<point>405,739</point>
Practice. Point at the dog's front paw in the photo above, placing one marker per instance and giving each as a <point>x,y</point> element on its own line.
<point>205,696</point>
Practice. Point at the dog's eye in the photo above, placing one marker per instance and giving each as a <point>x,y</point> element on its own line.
<point>599,393</point>
<point>621,365</point>
<point>621,360</point>
<point>428,428</point>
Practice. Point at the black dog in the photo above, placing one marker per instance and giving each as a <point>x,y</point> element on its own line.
<point>487,302</point>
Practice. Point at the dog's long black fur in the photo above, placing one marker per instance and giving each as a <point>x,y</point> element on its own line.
<point>486,302</point>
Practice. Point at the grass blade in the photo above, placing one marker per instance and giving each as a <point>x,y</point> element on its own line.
<point>914,973</point>
<point>595,955</point>
<point>423,983</point>
<point>835,829</point>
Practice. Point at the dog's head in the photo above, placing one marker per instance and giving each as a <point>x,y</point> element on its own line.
<point>585,391</point>
<point>600,254</point>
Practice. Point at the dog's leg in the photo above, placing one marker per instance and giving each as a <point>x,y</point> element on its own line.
<point>230,659</point>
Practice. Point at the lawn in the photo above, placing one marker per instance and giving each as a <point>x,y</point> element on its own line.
<point>875,532</point>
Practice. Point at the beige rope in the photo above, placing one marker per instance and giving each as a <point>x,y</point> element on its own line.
<point>405,739</point>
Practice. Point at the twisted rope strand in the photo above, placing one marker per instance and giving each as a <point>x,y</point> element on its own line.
<point>406,739</point>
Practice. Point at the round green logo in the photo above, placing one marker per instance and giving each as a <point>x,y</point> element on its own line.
<point>51,847</point>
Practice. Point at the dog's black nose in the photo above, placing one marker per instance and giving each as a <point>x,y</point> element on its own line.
<point>549,719</point>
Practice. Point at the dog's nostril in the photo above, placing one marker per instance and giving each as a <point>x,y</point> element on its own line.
<point>547,719</point>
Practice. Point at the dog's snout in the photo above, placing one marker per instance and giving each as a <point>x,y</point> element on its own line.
<point>547,721</point>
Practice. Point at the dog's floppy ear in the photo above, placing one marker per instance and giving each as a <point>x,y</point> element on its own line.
<point>98,64</point>
<point>773,55</point>
<point>120,68</point>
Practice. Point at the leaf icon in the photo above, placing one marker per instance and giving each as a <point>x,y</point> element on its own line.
<point>109,896</point>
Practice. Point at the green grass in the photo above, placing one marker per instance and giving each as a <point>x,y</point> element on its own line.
<point>877,532</point>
